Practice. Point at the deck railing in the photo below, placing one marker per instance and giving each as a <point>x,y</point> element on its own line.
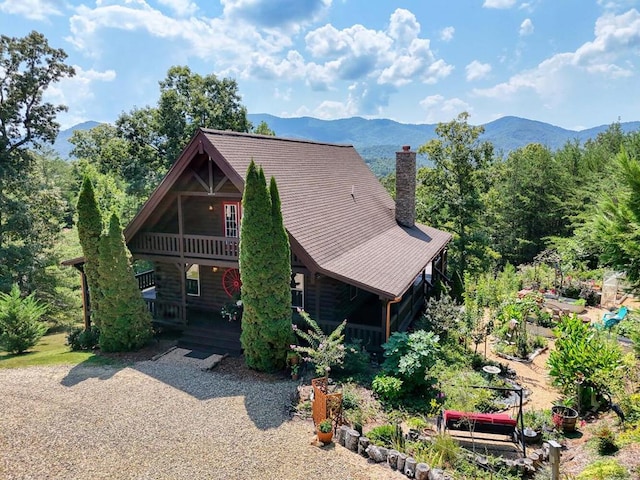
<point>200,246</point>
<point>371,336</point>
<point>412,302</point>
<point>146,279</point>
<point>170,313</point>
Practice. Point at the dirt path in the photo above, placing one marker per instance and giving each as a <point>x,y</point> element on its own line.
<point>533,376</point>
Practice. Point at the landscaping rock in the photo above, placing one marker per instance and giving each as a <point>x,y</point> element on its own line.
<point>363,443</point>
<point>377,454</point>
<point>351,439</point>
<point>392,459</point>
<point>341,434</point>
<point>410,467</point>
<point>422,471</point>
<point>401,459</point>
<point>437,474</point>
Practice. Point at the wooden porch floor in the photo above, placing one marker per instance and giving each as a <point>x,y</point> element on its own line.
<point>207,331</point>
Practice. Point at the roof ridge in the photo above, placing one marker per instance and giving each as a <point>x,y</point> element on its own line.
<point>232,133</point>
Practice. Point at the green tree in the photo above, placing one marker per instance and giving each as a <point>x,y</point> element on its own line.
<point>125,321</point>
<point>279,287</point>
<point>89,231</point>
<point>20,326</point>
<point>528,203</point>
<point>146,141</point>
<point>263,129</point>
<point>459,165</point>
<point>189,101</point>
<point>266,320</point>
<point>29,212</point>
<point>28,66</point>
<point>618,225</point>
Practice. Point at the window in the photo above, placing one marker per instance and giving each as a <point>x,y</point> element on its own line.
<point>193,281</point>
<point>231,219</point>
<point>297,290</point>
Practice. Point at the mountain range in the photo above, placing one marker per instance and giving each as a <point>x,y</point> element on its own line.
<point>377,140</point>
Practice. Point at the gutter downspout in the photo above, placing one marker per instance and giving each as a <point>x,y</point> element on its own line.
<point>388,330</point>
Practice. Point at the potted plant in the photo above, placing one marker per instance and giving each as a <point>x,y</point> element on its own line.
<point>564,418</point>
<point>325,431</point>
<point>294,371</point>
<point>293,358</point>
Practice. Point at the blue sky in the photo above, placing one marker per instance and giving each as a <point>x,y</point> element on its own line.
<point>571,63</point>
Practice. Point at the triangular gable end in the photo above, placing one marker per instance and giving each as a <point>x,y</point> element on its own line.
<point>199,144</point>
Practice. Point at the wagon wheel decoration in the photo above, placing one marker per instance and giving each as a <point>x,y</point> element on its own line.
<point>231,282</point>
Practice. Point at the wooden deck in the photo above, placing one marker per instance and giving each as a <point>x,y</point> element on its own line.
<point>192,246</point>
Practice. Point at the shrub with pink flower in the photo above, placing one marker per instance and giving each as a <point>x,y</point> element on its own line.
<point>321,349</point>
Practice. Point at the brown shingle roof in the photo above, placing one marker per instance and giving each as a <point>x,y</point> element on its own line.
<point>333,206</point>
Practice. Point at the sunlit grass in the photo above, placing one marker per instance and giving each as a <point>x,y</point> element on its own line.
<point>51,350</point>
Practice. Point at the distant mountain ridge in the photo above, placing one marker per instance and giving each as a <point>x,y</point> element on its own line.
<point>379,139</point>
<point>506,133</point>
<point>62,145</point>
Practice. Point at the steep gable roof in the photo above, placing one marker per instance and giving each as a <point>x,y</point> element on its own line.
<point>333,207</point>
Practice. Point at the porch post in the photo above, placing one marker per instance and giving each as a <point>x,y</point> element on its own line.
<point>182,266</point>
<point>86,312</point>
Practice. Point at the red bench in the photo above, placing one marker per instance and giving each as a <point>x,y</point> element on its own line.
<point>496,423</point>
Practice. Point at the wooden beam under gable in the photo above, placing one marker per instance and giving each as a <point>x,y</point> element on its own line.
<point>220,184</point>
<point>199,179</point>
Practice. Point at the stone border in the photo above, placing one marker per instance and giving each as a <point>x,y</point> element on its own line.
<point>353,441</point>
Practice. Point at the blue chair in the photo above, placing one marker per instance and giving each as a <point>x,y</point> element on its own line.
<point>611,319</point>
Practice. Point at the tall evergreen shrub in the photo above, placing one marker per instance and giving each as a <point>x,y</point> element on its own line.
<point>265,274</point>
<point>125,321</point>
<point>89,231</point>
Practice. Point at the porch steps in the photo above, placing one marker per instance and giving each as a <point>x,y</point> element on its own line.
<point>212,337</point>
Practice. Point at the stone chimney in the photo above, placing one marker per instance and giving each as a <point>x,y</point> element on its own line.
<point>406,187</point>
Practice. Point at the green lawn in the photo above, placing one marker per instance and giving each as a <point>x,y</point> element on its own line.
<point>51,350</point>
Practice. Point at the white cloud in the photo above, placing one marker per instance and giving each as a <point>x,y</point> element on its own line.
<point>440,109</point>
<point>403,27</point>
<point>76,92</point>
<point>269,67</point>
<point>498,3</point>
<point>446,34</point>
<point>526,27</point>
<point>207,38</point>
<point>381,60</point>
<point>283,95</point>
<point>280,14</point>
<point>31,9</point>
<point>615,35</point>
<point>418,62</point>
<point>181,7</point>
<point>330,110</point>
<point>476,70</point>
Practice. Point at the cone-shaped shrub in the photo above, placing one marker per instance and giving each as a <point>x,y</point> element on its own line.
<point>125,322</point>
<point>89,231</point>
<point>265,274</point>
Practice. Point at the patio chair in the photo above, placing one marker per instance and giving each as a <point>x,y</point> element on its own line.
<point>611,319</point>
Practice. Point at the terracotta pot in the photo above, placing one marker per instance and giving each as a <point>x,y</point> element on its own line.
<point>294,376</point>
<point>325,437</point>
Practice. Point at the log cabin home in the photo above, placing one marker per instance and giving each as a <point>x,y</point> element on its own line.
<point>355,253</point>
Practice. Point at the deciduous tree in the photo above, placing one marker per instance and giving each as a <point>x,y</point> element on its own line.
<point>28,209</point>
<point>459,163</point>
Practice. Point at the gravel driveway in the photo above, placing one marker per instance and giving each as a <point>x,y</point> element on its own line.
<point>159,421</point>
